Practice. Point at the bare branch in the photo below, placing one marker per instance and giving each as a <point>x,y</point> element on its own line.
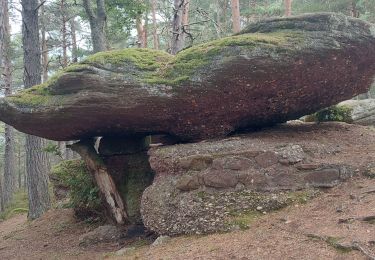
<point>40,5</point>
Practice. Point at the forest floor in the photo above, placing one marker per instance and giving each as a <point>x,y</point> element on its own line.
<point>338,224</point>
<point>331,226</point>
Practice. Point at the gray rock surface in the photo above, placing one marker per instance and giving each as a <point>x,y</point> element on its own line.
<point>102,234</point>
<point>363,111</point>
<point>161,240</point>
<point>214,186</point>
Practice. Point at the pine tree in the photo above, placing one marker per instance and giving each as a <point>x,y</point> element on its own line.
<point>36,159</point>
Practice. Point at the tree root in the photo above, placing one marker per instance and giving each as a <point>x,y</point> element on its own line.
<point>344,247</point>
<point>369,219</point>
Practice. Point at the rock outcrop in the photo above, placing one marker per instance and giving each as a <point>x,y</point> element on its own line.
<point>362,111</point>
<point>208,186</point>
<point>274,70</point>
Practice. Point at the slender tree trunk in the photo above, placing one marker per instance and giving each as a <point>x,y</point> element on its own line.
<point>64,34</point>
<point>44,45</point>
<point>74,40</point>
<point>36,159</point>
<point>236,19</point>
<point>9,156</point>
<point>185,21</point>
<point>155,25</point>
<point>9,165</point>
<point>2,29</point>
<point>97,24</point>
<point>178,34</point>
<point>69,152</point>
<point>288,7</point>
<point>219,13</point>
<point>62,145</point>
<point>19,168</point>
<point>225,16</point>
<point>145,31</point>
<point>140,32</point>
<point>1,197</point>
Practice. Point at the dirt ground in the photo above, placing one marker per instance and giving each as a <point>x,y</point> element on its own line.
<point>338,224</point>
<point>314,230</point>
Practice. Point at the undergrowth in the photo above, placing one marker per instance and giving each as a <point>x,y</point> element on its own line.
<point>73,174</point>
<point>18,205</point>
<point>333,113</point>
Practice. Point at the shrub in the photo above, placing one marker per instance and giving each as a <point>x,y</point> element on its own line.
<point>333,113</point>
<point>74,175</point>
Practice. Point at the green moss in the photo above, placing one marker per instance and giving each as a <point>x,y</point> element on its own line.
<point>333,113</point>
<point>77,68</point>
<point>370,173</point>
<point>144,59</point>
<point>18,205</point>
<point>28,99</point>
<point>187,62</point>
<point>243,220</point>
<point>158,67</point>
<point>38,95</point>
<point>73,174</point>
<point>134,179</point>
<point>201,194</point>
<point>301,197</point>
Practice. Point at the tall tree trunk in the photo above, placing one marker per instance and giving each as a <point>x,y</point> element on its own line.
<point>2,31</point>
<point>10,176</point>
<point>74,40</point>
<point>145,31</point>
<point>64,34</point>
<point>36,159</point>
<point>353,9</point>
<point>185,20</point>
<point>97,24</point>
<point>2,207</point>
<point>19,168</point>
<point>178,34</point>
<point>288,7</point>
<point>44,45</point>
<point>73,35</point>
<point>62,145</point>
<point>218,23</point>
<point>225,16</point>
<point>236,19</point>
<point>154,25</point>
<point>141,41</point>
<point>9,164</point>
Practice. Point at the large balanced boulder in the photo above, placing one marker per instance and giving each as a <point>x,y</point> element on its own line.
<point>224,184</point>
<point>272,71</point>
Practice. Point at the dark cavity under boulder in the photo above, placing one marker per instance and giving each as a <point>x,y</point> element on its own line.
<point>272,71</point>
<point>222,185</point>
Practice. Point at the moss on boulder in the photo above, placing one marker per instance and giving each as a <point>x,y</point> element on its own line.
<point>273,71</point>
